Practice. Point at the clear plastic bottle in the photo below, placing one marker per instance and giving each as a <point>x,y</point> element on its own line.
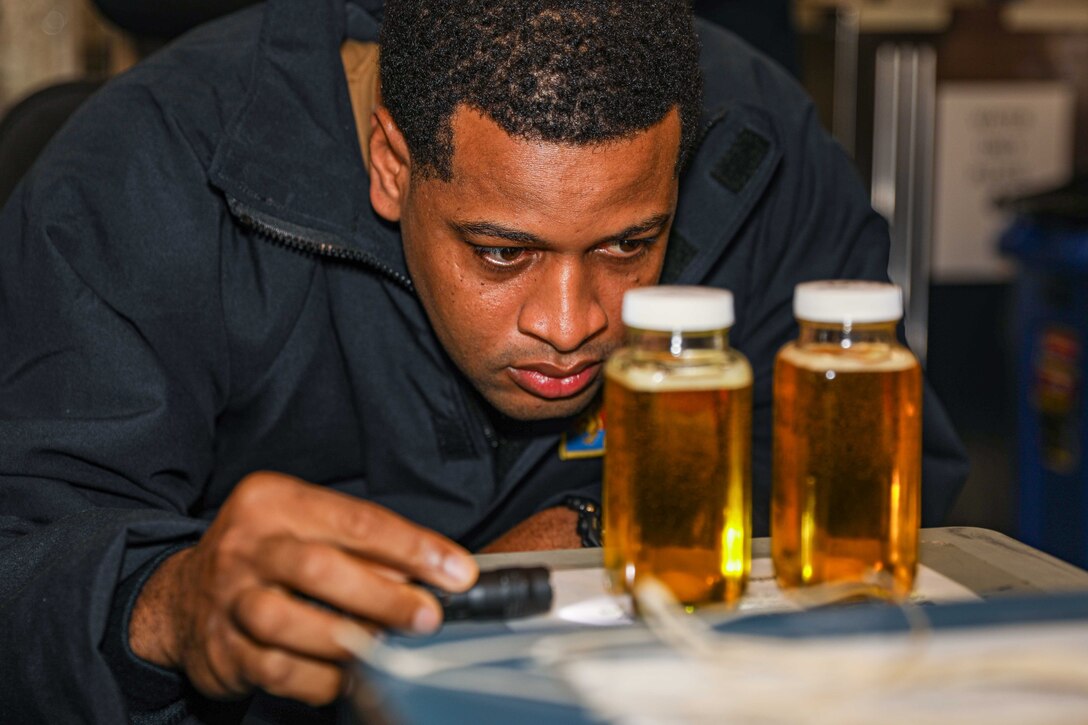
<point>847,443</point>
<point>677,471</point>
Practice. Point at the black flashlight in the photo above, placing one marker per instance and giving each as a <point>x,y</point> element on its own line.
<point>509,593</point>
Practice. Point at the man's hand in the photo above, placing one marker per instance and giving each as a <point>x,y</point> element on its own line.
<point>226,613</point>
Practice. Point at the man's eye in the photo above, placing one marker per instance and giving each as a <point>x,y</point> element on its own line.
<point>502,256</point>
<point>627,248</point>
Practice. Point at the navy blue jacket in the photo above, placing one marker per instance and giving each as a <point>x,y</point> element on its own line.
<point>193,286</point>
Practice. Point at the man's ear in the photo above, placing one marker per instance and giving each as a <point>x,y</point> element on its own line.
<point>390,165</point>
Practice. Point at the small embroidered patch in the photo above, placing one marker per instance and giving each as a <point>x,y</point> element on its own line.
<point>586,440</point>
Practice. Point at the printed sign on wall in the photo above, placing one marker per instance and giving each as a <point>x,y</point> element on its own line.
<point>993,140</point>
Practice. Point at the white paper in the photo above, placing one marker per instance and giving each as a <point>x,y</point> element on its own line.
<point>582,597</point>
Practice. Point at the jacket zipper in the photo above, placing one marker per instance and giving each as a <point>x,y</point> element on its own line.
<point>290,239</point>
<point>295,239</point>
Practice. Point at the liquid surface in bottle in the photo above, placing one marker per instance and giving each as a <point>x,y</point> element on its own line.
<point>677,477</point>
<point>847,466</point>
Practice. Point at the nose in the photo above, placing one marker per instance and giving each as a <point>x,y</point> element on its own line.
<point>563,308</point>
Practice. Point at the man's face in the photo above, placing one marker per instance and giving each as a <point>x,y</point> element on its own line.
<point>522,258</point>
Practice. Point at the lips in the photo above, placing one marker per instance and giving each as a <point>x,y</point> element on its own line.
<point>551,382</point>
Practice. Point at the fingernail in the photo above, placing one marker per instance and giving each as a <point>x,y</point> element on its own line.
<point>461,569</point>
<point>425,620</point>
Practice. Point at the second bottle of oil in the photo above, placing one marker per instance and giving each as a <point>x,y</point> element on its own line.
<point>847,443</point>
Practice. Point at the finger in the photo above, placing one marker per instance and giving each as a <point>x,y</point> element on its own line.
<point>284,674</point>
<point>345,581</point>
<point>364,528</point>
<point>275,618</point>
<point>387,571</point>
<point>213,668</point>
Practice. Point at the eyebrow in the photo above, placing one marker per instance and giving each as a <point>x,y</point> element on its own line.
<point>498,231</point>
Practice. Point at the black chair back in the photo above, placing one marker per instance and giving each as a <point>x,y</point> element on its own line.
<point>29,124</point>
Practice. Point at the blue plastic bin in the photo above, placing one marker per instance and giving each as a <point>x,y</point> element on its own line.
<point>1052,369</point>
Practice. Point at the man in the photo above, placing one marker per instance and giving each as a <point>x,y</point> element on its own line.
<point>253,304</point>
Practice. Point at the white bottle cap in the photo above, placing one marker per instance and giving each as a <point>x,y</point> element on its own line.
<point>847,301</point>
<point>678,309</point>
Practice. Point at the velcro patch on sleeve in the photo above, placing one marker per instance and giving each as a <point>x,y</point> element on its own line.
<point>741,161</point>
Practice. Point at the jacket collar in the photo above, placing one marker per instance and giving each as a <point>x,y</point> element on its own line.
<point>738,154</point>
<point>736,161</point>
<point>292,152</point>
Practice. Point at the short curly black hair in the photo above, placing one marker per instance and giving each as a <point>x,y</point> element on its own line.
<point>573,71</point>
